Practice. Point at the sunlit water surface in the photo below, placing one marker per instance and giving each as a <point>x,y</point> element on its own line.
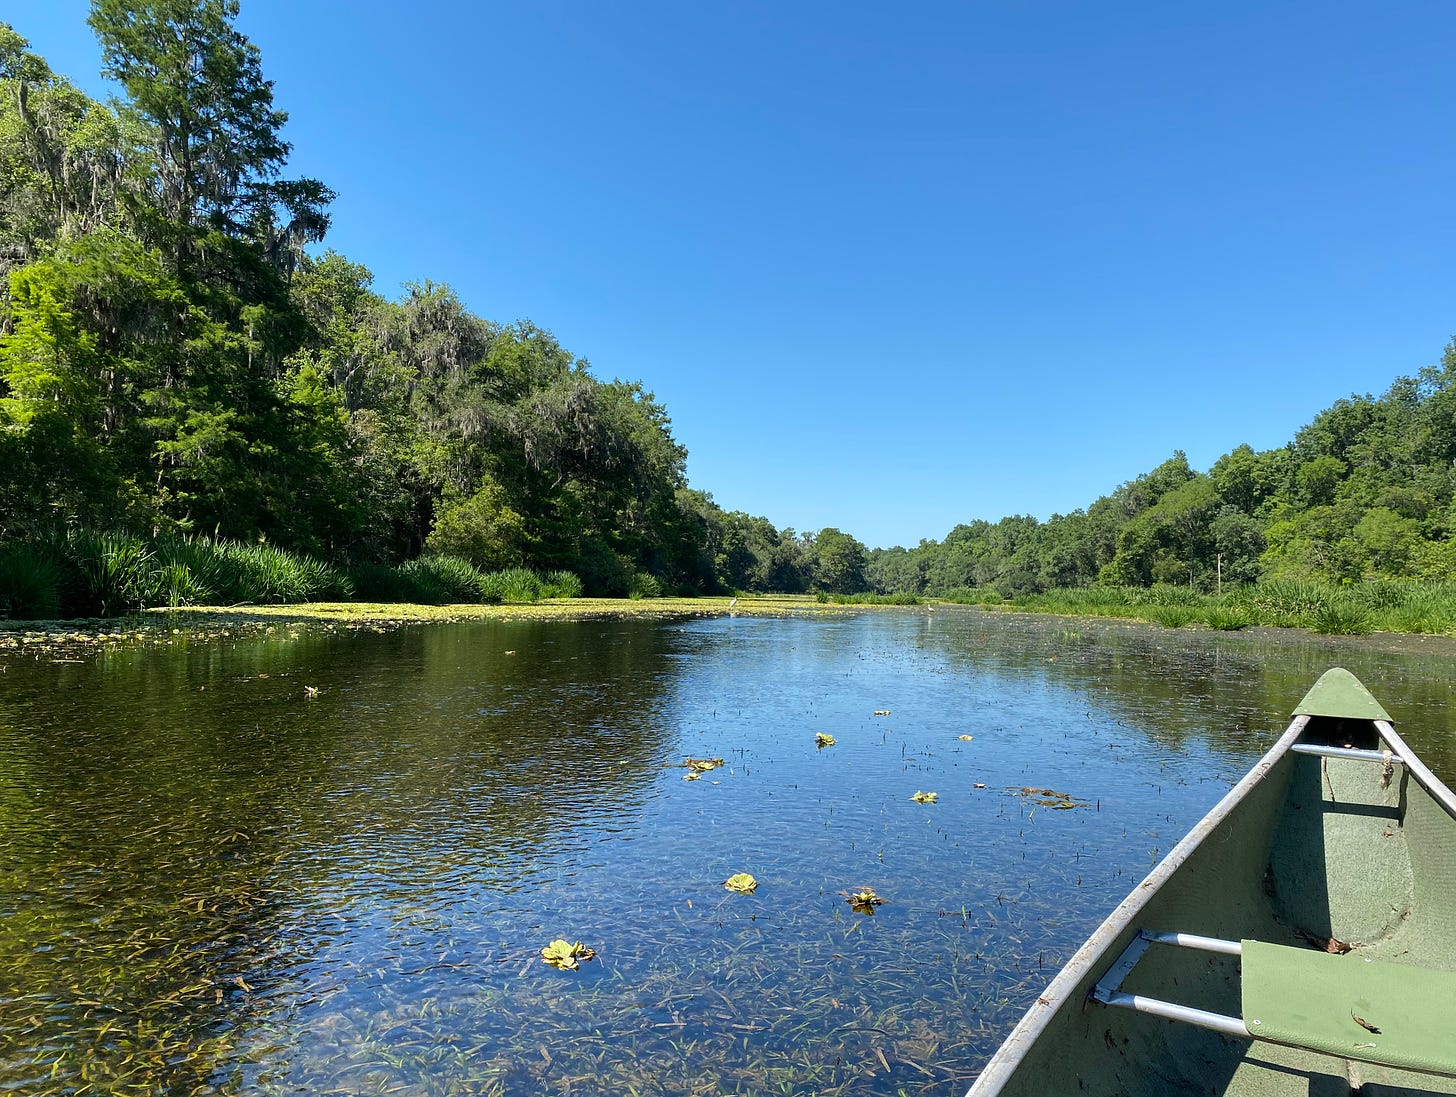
<point>212,881</point>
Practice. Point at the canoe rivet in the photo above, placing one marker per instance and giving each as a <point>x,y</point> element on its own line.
<point>1256,1022</point>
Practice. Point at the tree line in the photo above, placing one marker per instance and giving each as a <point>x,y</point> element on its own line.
<point>1366,491</point>
<point>178,359</point>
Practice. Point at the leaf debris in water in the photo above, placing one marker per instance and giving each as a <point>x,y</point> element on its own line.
<point>863,901</point>
<point>696,767</point>
<point>926,797</point>
<point>822,740</point>
<point>566,954</point>
<point>966,738</point>
<point>741,882</point>
<point>1048,797</point>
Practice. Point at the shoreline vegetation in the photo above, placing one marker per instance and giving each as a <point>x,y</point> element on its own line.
<point>180,361</point>
<point>1404,609</point>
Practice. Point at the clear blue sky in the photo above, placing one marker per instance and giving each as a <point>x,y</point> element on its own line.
<point>894,268</point>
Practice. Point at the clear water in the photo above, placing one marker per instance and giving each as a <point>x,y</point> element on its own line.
<point>213,882</point>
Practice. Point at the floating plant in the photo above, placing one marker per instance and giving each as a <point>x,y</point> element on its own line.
<point>1046,797</point>
<point>567,955</point>
<point>863,901</point>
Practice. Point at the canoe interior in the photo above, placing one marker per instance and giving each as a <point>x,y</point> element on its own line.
<point>1318,849</point>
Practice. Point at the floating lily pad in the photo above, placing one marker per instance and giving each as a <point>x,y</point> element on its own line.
<point>926,797</point>
<point>566,955</point>
<point>741,882</point>
<point>821,740</point>
<point>863,901</point>
<point>699,766</point>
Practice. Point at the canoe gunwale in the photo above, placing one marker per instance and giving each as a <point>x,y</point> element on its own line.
<point>1094,952</point>
<point>1435,788</point>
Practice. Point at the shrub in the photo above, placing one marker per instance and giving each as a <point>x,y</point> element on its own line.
<point>972,596</point>
<point>1342,618</point>
<point>109,574</point>
<point>1227,619</point>
<point>1170,616</point>
<point>519,585</point>
<point>30,581</point>
<point>645,585</point>
<point>560,584</point>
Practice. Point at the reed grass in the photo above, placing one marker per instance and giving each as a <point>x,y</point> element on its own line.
<point>107,573</point>
<point>866,599</point>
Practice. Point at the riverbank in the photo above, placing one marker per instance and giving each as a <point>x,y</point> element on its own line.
<point>165,626</point>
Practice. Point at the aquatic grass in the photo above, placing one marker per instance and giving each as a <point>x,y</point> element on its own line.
<point>1342,618</point>
<point>108,573</point>
<point>31,577</point>
<point>1228,618</point>
<point>645,585</point>
<point>971,596</point>
<point>1170,615</point>
<point>1285,603</point>
<point>561,584</point>
<point>1085,601</point>
<point>903,598</point>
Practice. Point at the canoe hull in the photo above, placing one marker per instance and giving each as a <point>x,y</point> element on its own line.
<point>1302,850</point>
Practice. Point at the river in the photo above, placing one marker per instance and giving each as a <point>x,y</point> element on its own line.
<point>321,861</point>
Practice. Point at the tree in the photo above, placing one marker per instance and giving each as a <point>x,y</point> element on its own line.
<point>61,163</point>
<point>839,563</point>
<point>196,93</point>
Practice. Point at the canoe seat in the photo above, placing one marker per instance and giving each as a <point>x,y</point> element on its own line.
<point>1314,1000</point>
<point>1311,999</point>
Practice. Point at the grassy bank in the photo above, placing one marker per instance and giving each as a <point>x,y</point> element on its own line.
<point>1373,606</point>
<point>189,623</point>
<point>85,574</point>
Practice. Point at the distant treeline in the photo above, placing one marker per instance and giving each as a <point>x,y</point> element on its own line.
<point>1366,491</point>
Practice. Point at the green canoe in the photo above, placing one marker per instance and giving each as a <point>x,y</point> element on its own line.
<point>1301,940</point>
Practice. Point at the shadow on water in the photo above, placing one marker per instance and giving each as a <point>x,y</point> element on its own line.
<point>325,862</point>
<point>187,833</point>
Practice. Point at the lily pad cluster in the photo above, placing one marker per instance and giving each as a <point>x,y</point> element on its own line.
<point>822,740</point>
<point>741,882</point>
<point>926,797</point>
<point>567,955</point>
<point>1047,797</point>
<point>696,767</point>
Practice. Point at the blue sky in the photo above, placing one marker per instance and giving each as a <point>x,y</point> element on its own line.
<point>891,269</point>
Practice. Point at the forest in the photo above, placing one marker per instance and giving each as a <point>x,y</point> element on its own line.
<point>190,381</point>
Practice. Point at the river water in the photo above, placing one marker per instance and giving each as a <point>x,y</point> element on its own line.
<point>326,861</point>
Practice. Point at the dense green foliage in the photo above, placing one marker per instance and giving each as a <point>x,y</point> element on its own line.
<point>88,574</point>
<point>1365,492</point>
<point>175,365</point>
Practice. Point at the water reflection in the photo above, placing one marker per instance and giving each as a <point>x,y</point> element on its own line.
<point>324,862</point>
